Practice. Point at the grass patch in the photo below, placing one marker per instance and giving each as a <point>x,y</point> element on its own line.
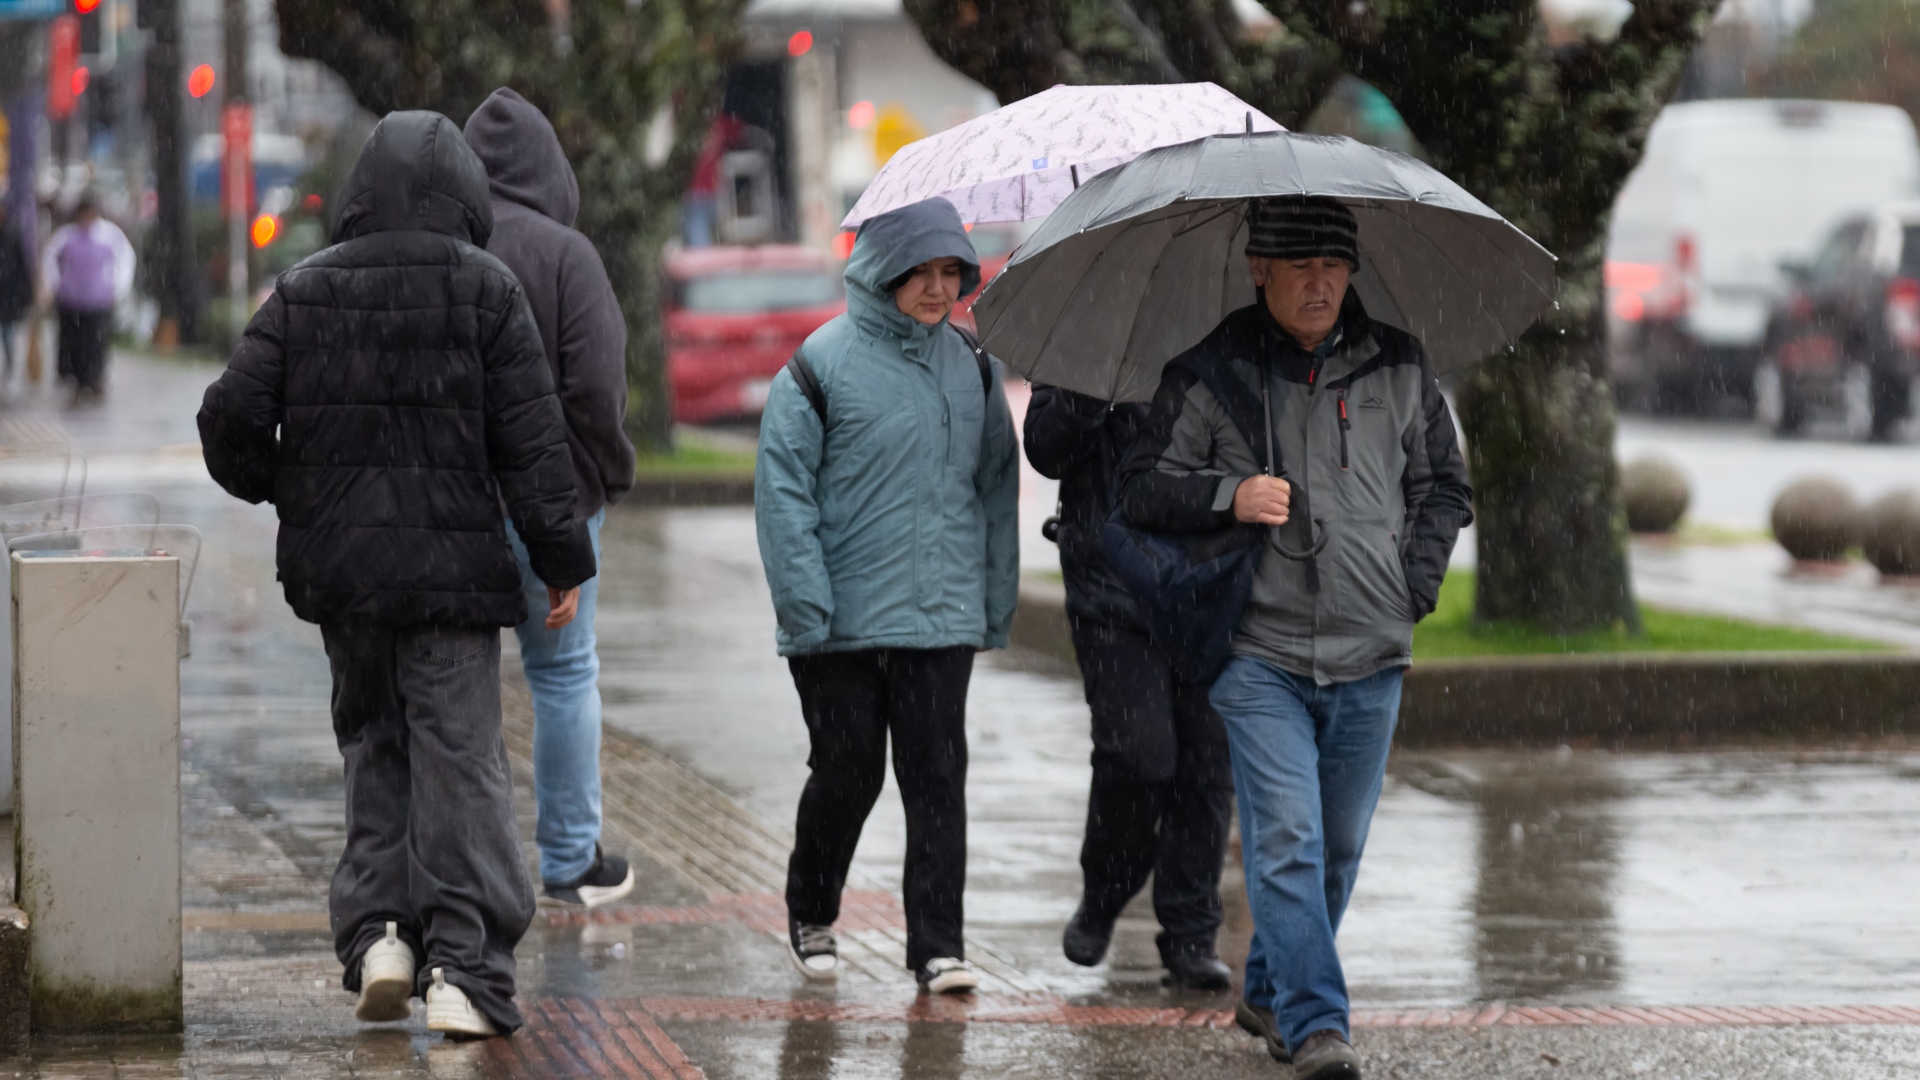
<point>688,458</point>
<point>1451,632</point>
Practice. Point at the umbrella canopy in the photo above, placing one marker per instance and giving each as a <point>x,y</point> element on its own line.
<point>1020,161</point>
<point>1144,260</point>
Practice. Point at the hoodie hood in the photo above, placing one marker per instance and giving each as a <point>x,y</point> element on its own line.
<point>416,174</point>
<point>895,242</point>
<point>524,161</point>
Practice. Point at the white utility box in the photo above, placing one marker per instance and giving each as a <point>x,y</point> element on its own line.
<point>96,721</point>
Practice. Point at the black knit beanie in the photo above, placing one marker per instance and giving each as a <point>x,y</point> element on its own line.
<point>1303,227</point>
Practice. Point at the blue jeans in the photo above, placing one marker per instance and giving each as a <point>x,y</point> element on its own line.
<point>563,671</point>
<point>1308,762</point>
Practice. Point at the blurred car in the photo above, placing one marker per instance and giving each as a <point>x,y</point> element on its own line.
<point>734,316</point>
<point>1725,192</point>
<point>1846,336</point>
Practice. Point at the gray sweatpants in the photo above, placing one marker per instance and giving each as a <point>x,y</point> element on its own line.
<point>431,839</point>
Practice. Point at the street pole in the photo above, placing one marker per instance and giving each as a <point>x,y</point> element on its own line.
<point>176,285</point>
<point>237,126</point>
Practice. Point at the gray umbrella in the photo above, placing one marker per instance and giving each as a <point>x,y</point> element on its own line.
<point>1141,262</point>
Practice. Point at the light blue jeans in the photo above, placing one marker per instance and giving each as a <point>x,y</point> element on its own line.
<point>1308,762</point>
<point>563,671</point>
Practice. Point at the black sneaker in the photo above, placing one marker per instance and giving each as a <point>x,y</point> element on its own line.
<point>607,880</point>
<point>1195,966</point>
<point>813,949</point>
<point>947,975</point>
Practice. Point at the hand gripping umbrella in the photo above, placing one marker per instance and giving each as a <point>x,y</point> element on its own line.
<point>1019,161</point>
<point>1144,260</point>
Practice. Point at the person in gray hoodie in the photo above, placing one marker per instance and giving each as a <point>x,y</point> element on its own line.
<point>535,199</point>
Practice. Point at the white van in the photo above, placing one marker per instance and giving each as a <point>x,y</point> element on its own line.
<point>1726,191</point>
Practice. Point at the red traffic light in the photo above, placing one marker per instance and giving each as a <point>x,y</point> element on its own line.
<point>85,7</point>
<point>799,43</point>
<point>81,76</point>
<point>200,81</point>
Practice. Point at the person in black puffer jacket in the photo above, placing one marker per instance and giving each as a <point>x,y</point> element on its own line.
<point>388,397</point>
<point>1162,781</point>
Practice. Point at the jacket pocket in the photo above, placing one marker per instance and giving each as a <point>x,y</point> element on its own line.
<point>963,414</point>
<point>1369,575</point>
<point>450,647</point>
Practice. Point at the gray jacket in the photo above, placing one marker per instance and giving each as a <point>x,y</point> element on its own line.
<point>535,198</point>
<point>1367,434</point>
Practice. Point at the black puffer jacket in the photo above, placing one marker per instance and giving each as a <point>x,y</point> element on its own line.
<point>1080,441</point>
<point>390,394</point>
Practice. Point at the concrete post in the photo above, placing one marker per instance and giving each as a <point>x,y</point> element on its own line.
<point>97,787</point>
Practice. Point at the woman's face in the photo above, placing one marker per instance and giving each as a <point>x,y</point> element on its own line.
<point>930,290</point>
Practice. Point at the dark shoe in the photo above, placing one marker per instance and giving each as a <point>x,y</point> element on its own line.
<point>1258,1022</point>
<point>814,950</point>
<point>1326,1055</point>
<point>1195,967</point>
<point>1085,943</point>
<point>607,880</point>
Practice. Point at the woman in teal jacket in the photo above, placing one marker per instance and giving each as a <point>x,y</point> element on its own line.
<point>889,535</point>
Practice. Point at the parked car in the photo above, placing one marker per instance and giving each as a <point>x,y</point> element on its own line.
<point>1726,191</point>
<point>734,316</point>
<point>1846,336</point>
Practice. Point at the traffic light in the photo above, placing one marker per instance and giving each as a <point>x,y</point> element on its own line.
<point>93,30</point>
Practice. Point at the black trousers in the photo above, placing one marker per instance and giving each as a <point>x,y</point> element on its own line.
<point>431,838</point>
<point>851,702</point>
<point>1162,787</point>
<point>84,338</point>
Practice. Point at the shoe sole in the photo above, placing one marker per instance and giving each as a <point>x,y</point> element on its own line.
<point>383,1000</point>
<point>1333,1070</point>
<point>593,896</point>
<point>813,974</point>
<point>459,1027</point>
<point>952,982</point>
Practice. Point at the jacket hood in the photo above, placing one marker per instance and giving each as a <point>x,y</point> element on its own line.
<point>524,161</point>
<point>416,174</point>
<point>895,242</point>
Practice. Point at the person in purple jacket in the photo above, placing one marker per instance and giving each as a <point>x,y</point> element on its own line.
<point>87,267</point>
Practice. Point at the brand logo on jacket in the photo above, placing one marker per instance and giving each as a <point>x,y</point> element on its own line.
<point>1373,403</point>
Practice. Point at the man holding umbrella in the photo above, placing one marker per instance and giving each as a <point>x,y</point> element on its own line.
<point>1362,490</point>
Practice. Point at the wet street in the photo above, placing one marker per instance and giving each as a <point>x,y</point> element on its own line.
<point>1583,913</point>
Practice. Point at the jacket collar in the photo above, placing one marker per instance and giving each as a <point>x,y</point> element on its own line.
<point>1356,346</point>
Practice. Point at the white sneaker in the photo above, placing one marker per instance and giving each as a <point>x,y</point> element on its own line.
<point>946,975</point>
<point>386,979</point>
<point>448,1010</point>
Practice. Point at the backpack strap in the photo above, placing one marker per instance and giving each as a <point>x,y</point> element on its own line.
<point>809,385</point>
<point>979,357</point>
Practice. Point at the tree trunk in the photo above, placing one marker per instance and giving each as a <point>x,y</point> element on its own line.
<point>1550,534</point>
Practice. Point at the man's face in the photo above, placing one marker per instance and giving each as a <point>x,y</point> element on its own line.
<point>930,290</point>
<point>1304,295</point>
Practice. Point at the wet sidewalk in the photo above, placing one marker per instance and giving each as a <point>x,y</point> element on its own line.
<point>1558,914</point>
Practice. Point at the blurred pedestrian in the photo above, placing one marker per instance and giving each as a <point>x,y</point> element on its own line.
<point>390,395</point>
<point>535,198</point>
<point>1353,416</point>
<point>16,285</point>
<point>886,499</point>
<point>87,268</point>
<point>1162,785</point>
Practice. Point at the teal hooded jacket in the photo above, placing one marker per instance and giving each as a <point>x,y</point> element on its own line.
<point>894,524</point>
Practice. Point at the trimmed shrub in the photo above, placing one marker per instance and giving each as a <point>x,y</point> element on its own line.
<point>1816,519</point>
<point>1891,536</point>
<point>1656,493</point>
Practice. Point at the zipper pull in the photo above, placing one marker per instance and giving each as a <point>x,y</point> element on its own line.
<point>1344,425</point>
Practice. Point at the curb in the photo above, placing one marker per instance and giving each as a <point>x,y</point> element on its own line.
<point>14,982</point>
<point>691,489</point>
<point>1616,700</point>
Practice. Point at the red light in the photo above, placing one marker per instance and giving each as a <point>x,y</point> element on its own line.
<point>843,245</point>
<point>1903,312</point>
<point>81,76</point>
<point>799,43</point>
<point>200,81</point>
<point>265,228</point>
<point>85,7</point>
<point>312,203</point>
<point>860,115</point>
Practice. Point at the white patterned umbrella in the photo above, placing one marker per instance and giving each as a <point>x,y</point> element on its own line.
<point>1022,160</point>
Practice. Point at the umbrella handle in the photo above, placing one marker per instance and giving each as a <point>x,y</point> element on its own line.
<point>1273,541</point>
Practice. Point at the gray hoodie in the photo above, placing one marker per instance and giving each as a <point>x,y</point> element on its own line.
<point>535,198</point>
